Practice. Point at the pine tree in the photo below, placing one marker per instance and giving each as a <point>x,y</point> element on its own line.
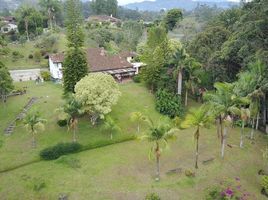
<point>75,62</point>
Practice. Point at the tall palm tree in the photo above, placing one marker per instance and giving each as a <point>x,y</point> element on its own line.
<point>158,135</point>
<point>111,126</point>
<point>34,123</point>
<point>224,103</point>
<point>199,118</point>
<point>192,79</point>
<point>178,59</point>
<point>244,116</point>
<point>137,117</point>
<point>73,109</point>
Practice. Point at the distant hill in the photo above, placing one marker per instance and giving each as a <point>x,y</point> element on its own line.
<point>183,4</point>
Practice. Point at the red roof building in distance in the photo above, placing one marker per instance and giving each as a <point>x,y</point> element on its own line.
<point>99,60</point>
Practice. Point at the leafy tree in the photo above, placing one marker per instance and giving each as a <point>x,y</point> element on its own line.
<point>198,118</point>
<point>6,82</point>
<point>34,123</point>
<point>104,7</point>
<point>158,135</point>
<point>111,126</point>
<point>137,117</point>
<point>30,21</point>
<point>97,92</point>
<point>74,68</point>
<point>52,9</point>
<point>172,17</point>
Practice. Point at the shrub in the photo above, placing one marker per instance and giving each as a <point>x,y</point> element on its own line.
<point>152,196</point>
<point>38,185</point>
<point>37,56</point>
<point>62,122</point>
<point>69,162</point>
<point>54,152</point>
<point>30,56</point>
<point>189,173</point>
<point>137,79</point>
<point>16,55</point>
<point>168,103</point>
<point>264,183</point>
<point>45,75</point>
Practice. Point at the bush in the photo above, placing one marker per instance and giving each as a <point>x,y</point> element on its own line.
<point>69,162</point>
<point>62,122</point>
<point>30,56</point>
<point>189,173</point>
<point>152,196</point>
<point>137,79</point>
<point>37,56</point>
<point>168,103</point>
<point>54,152</point>
<point>45,75</point>
<point>264,183</point>
<point>16,55</point>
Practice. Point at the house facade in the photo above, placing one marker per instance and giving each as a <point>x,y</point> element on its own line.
<point>119,66</point>
<point>9,27</point>
<point>103,19</point>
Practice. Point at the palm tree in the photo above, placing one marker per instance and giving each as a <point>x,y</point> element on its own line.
<point>199,118</point>
<point>73,109</point>
<point>137,117</point>
<point>192,80</point>
<point>111,126</point>
<point>178,60</point>
<point>158,135</point>
<point>244,116</point>
<point>34,123</point>
<point>224,103</point>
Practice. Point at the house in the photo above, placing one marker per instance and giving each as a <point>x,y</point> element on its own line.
<point>9,27</point>
<point>119,66</point>
<point>103,19</point>
<point>8,19</point>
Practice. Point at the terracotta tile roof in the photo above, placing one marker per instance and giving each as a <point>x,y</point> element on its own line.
<point>98,60</point>
<point>57,58</point>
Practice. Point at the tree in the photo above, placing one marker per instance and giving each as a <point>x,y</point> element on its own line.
<point>198,118</point>
<point>104,7</point>
<point>172,17</point>
<point>111,126</point>
<point>74,68</point>
<point>225,103</point>
<point>30,21</point>
<point>73,109</point>
<point>158,135</point>
<point>137,117</point>
<point>75,35</point>
<point>244,116</point>
<point>34,123</point>
<point>6,82</point>
<point>97,92</point>
<point>52,9</point>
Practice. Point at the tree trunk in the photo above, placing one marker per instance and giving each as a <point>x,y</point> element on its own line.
<point>33,138</point>
<point>221,130</point>
<point>111,135</point>
<point>74,135</point>
<point>186,98</point>
<point>242,134</point>
<point>26,29</point>
<point>218,127</point>
<point>50,18</point>
<point>257,121</point>
<point>179,82</point>
<point>138,128</point>
<point>157,153</point>
<point>223,141</point>
<point>252,129</point>
<point>196,152</point>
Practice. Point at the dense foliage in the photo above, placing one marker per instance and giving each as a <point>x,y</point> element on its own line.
<point>97,92</point>
<point>6,82</point>
<point>168,103</point>
<point>54,152</point>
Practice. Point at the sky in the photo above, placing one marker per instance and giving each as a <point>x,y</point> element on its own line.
<point>123,2</point>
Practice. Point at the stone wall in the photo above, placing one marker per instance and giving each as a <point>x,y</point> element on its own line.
<point>25,75</point>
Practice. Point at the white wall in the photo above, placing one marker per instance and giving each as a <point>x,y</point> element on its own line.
<point>25,75</point>
<point>55,69</point>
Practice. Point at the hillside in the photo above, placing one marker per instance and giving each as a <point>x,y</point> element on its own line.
<point>184,4</point>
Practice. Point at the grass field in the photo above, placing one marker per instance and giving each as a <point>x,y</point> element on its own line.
<point>120,171</point>
<point>25,50</point>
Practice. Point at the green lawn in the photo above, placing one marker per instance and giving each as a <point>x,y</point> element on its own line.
<point>120,171</point>
<point>25,50</point>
